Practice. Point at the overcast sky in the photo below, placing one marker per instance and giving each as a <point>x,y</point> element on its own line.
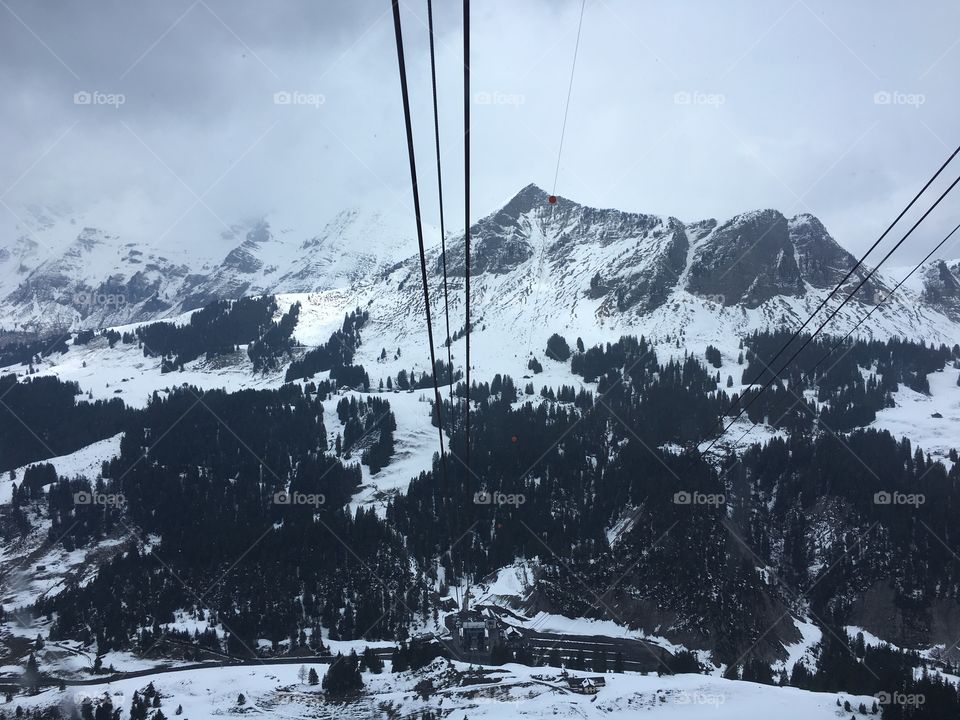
<point>691,109</point>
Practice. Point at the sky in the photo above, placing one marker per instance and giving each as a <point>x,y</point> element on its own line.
<point>181,118</point>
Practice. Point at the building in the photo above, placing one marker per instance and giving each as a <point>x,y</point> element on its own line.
<point>477,630</point>
<point>513,637</point>
<point>585,686</point>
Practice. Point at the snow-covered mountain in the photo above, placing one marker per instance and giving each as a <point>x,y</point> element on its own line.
<point>541,268</point>
<point>61,271</point>
<point>941,286</point>
<point>537,268</point>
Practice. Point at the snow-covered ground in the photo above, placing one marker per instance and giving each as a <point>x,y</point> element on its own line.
<point>872,641</point>
<point>869,639</point>
<point>36,566</point>
<point>915,415</point>
<point>511,691</point>
<point>510,587</point>
<point>415,443</point>
<point>504,340</point>
<point>85,462</point>
<point>802,650</point>
<point>123,372</point>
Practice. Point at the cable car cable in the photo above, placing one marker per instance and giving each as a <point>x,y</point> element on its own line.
<point>416,209</point>
<point>443,233</point>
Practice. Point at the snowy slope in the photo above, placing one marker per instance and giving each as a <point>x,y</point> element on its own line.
<point>536,274</point>
<point>930,422</point>
<point>61,270</point>
<point>535,266</point>
<point>534,271</point>
<point>276,691</point>
<point>85,462</point>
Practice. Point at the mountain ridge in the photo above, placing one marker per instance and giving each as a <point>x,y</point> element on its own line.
<point>623,266</point>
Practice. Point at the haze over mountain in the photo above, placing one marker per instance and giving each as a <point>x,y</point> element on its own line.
<point>586,264</point>
<point>199,117</point>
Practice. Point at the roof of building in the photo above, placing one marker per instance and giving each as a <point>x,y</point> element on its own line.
<point>575,682</point>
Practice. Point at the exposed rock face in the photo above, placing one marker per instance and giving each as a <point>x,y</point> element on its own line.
<point>243,258</point>
<point>820,260</point>
<point>941,287</point>
<point>878,612</point>
<point>761,255</point>
<point>631,261</point>
<point>657,273</point>
<point>558,255</point>
<point>747,261</point>
<point>502,241</point>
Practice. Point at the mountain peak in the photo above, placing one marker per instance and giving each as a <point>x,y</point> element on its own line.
<point>808,219</point>
<point>531,187</point>
<point>528,198</point>
<point>746,261</point>
<point>760,215</point>
<point>258,233</point>
<point>941,287</point>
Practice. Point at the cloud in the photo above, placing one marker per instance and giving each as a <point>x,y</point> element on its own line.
<point>695,110</point>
